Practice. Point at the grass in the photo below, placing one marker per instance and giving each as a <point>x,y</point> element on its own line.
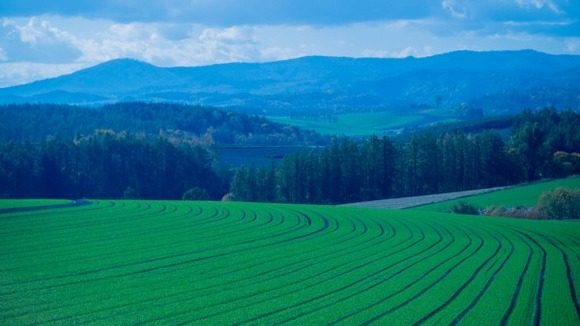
<point>135,262</point>
<point>7,203</point>
<point>526,195</point>
<point>355,124</point>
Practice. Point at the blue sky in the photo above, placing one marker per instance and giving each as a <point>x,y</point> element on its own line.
<point>45,38</point>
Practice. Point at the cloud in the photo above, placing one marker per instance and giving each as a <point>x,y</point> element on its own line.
<point>455,9</point>
<point>406,52</point>
<point>573,45</point>
<point>489,16</point>
<point>540,4</point>
<point>556,18</point>
<point>3,55</point>
<point>36,40</point>
<point>228,12</point>
<point>45,34</point>
<point>23,72</point>
<point>294,12</point>
<point>35,49</point>
<point>53,39</point>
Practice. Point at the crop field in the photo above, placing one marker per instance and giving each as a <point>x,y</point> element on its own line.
<point>526,195</point>
<point>135,262</point>
<point>6,204</point>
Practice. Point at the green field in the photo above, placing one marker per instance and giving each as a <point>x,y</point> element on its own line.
<point>135,262</point>
<point>527,195</point>
<point>355,124</point>
<point>30,202</point>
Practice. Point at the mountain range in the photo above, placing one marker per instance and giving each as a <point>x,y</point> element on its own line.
<point>497,82</point>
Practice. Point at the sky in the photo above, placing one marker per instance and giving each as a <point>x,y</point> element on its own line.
<point>46,38</point>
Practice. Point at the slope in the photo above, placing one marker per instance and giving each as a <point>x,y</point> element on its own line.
<point>136,262</point>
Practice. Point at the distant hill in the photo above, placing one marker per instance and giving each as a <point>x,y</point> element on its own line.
<point>501,82</point>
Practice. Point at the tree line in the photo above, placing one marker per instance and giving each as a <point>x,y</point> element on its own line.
<point>35,122</point>
<point>542,144</point>
<point>108,163</point>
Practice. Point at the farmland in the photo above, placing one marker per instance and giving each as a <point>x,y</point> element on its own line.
<point>5,204</point>
<point>128,262</point>
<point>526,195</point>
<point>357,124</point>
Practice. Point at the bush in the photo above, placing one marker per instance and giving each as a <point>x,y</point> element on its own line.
<point>516,212</point>
<point>195,193</point>
<point>464,207</point>
<point>494,211</point>
<point>560,204</point>
<point>130,193</point>
<point>526,212</point>
<point>229,197</point>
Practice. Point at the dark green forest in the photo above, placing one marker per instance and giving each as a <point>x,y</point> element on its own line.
<point>167,151</point>
<point>35,122</point>
<point>542,145</point>
<point>106,164</point>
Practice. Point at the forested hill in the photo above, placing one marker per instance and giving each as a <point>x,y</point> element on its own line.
<point>129,150</point>
<point>497,82</point>
<point>34,122</point>
<point>542,144</point>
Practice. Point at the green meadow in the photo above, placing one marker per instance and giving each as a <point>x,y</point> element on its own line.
<point>526,195</point>
<point>168,262</point>
<point>354,124</point>
<point>30,203</point>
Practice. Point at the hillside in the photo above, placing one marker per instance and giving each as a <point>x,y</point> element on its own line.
<point>523,195</point>
<point>113,263</point>
<point>35,122</point>
<point>497,82</point>
<point>160,151</point>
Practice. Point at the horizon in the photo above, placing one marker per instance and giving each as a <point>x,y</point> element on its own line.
<point>39,40</point>
<point>281,60</point>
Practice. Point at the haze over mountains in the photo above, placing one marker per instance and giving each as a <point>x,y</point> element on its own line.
<point>496,82</point>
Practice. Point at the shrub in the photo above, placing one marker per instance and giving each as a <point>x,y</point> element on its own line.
<point>524,212</point>
<point>494,211</point>
<point>517,212</point>
<point>560,204</point>
<point>195,193</point>
<point>130,193</point>
<point>229,197</point>
<point>464,207</point>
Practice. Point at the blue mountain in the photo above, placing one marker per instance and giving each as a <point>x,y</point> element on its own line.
<point>497,82</point>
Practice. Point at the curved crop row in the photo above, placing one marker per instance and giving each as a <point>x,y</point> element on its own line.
<point>128,262</point>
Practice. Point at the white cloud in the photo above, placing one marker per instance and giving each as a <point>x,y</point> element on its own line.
<point>35,31</point>
<point>454,8</point>
<point>403,53</point>
<point>540,4</point>
<point>23,72</point>
<point>39,47</point>
<point>36,40</point>
<point>275,53</point>
<point>572,45</point>
<point>3,55</point>
<point>226,12</point>
<point>408,51</point>
<point>232,44</point>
